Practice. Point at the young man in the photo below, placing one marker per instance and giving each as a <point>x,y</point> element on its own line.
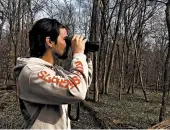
<point>45,91</point>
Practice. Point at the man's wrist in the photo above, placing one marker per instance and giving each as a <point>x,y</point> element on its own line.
<point>74,52</point>
<point>79,55</point>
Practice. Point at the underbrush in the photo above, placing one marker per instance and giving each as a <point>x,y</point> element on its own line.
<point>10,115</point>
<point>131,112</point>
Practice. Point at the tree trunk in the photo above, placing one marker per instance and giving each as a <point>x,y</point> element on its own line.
<point>95,76</point>
<point>157,82</point>
<point>118,23</point>
<point>2,23</point>
<point>105,70</point>
<point>167,66</point>
<point>94,37</point>
<point>140,72</point>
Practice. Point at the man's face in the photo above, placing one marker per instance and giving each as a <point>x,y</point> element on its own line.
<point>60,47</point>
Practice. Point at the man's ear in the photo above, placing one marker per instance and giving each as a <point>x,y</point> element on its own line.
<point>48,41</point>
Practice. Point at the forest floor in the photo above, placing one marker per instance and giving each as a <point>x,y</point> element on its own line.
<point>132,112</point>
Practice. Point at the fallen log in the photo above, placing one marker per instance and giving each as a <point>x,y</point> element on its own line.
<point>162,125</point>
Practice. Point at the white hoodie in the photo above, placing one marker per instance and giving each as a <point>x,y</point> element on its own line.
<point>38,82</point>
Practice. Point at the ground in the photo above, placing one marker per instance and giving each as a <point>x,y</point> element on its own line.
<point>131,112</point>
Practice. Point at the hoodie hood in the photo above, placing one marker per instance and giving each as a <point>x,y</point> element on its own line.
<point>22,62</point>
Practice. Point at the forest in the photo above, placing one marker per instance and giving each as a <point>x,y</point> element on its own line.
<point>131,69</point>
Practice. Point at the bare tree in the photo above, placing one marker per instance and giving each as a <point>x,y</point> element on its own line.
<point>167,67</point>
<point>94,37</point>
<point>115,39</point>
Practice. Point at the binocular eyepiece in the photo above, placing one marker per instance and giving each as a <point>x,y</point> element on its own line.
<point>90,46</point>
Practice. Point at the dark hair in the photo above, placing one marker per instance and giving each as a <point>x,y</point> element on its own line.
<point>43,28</point>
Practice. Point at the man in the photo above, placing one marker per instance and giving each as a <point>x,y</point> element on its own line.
<point>44,90</point>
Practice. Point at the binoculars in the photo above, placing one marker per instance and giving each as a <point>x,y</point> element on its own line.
<point>90,46</point>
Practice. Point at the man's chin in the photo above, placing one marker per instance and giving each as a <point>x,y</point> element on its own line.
<point>65,54</point>
<point>63,57</point>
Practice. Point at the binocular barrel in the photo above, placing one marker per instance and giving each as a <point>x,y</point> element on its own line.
<point>90,46</point>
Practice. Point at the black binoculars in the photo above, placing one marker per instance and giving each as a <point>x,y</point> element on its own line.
<point>90,46</point>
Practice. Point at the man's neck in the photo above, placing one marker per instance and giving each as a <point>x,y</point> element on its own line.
<point>48,57</point>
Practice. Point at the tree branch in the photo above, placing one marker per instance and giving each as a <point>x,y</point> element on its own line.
<point>161,2</point>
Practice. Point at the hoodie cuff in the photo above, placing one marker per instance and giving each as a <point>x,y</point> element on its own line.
<point>79,56</point>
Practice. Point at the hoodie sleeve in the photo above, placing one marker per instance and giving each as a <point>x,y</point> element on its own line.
<point>45,87</point>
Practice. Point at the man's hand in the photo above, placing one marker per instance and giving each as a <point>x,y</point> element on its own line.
<point>78,44</point>
<point>89,56</point>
